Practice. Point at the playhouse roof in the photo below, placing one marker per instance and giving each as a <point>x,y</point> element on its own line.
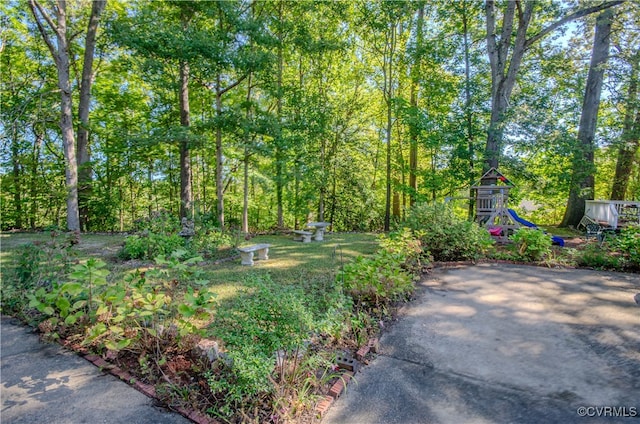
<point>494,174</point>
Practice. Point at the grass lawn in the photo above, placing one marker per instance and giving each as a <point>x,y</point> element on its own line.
<point>292,262</point>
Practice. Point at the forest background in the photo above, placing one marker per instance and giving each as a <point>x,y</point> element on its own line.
<point>266,114</point>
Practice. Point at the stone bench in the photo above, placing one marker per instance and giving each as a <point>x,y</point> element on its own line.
<point>305,236</point>
<point>246,253</point>
<point>320,228</point>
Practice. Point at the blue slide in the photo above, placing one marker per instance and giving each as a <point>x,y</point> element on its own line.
<point>556,240</point>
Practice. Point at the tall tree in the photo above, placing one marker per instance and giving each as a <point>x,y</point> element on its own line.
<point>628,54</point>
<point>583,182</point>
<point>415,80</point>
<point>83,153</point>
<point>506,50</point>
<point>60,50</point>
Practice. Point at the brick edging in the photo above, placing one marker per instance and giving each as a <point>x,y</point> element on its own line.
<point>340,385</point>
<point>146,389</point>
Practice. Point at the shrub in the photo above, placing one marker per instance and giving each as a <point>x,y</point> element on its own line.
<point>150,245</point>
<point>388,274</point>
<point>264,319</point>
<point>160,222</point>
<point>407,249</point>
<point>210,242</point>
<point>594,256</point>
<point>446,236</point>
<point>628,243</point>
<point>378,279</point>
<point>531,244</point>
<point>37,265</point>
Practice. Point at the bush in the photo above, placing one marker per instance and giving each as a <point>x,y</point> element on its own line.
<point>446,236</point>
<point>264,319</point>
<point>628,244</point>
<point>388,274</point>
<point>407,249</point>
<point>150,245</point>
<point>160,222</point>
<point>531,244</point>
<point>37,265</point>
<point>209,242</point>
<point>594,256</point>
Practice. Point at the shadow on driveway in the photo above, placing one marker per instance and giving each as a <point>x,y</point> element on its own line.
<point>501,343</point>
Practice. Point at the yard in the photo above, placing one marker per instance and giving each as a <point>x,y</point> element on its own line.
<point>249,343</point>
<point>234,342</point>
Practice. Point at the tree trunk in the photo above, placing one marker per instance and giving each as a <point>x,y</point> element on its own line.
<point>415,75</point>
<point>186,197</point>
<point>626,157</point>
<point>60,53</point>
<point>323,183</point>
<point>583,182</point>
<point>630,137</point>
<point>467,110</point>
<point>219,158</point>
<point>245,173</point>
<point>84,156</point>
<point>33,189</point>
<point>390,46</point>
<point>17,177</point>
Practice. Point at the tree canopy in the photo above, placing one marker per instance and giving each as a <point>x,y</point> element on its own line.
<point>263,114</point>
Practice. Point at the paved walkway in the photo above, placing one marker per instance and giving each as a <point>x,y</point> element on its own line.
<point>44,383</point>
<point>506,344</point>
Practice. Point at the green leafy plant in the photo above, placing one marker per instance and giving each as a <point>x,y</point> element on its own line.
<point>212,242</point>
<point>531,244</point>
<point>446,236</point>
<point>628,244</point>
<point>264,319</point>
<point>594,256</point>
<point>150,245</point>
<point>378,280</point>
<point>37,265</point>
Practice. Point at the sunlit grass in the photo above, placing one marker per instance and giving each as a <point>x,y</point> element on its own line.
<point>290,262</point>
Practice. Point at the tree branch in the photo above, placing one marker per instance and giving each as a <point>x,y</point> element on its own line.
<point>571,17</point>
<point>507,30</point>
<point>33,5</point>
<point>492,49</point>
<point>234,84</point>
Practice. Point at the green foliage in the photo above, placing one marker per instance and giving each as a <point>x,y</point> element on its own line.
<point>594,256</point>
<point>388,274</point>
<point>71,302</point>
<point>531,244</point>
<point>38,265</point>
<point>379,279</point>
<point>628,244</point>
<point>210,242</point>
<point>150,245</point>
<point>134,313</point>
<point>160,222</point>
<point>406,247</point>
<point>446,236</point>
<point>267,315</point>
<point>264,319</point>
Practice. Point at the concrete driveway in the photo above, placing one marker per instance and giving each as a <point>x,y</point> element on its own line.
<point>506,344</point>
